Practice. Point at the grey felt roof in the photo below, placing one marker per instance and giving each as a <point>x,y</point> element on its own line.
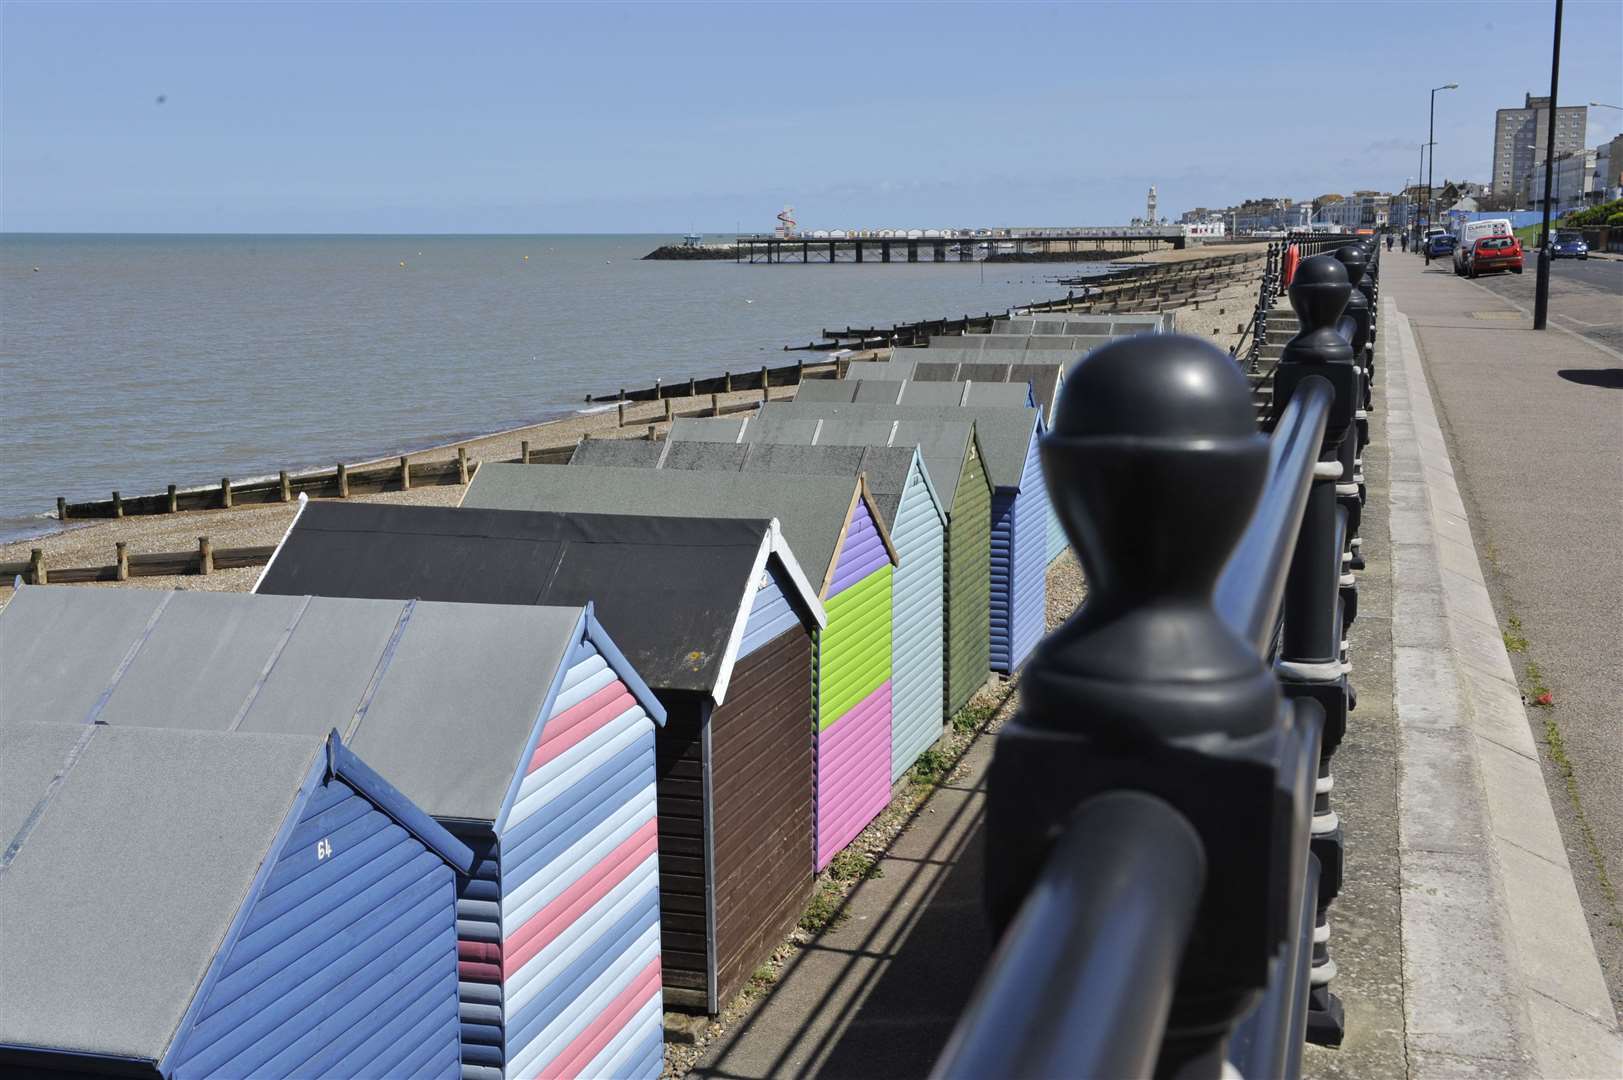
<point>639,452</point>
<point>227,661</point>
<point>972,346</point>
<point>811,511</point>
<point>708,428</point>
<point>123,891</point>
<point>1072,323</point>
<point>824,390</point>
<point>1004,432</point>
<point>1044,378</point>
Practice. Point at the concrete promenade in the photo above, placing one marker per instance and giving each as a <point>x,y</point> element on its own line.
<point>1533,423</point>
<point>1464,946</point>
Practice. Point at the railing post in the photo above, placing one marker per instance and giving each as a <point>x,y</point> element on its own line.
<point>1310,657</point>
<point>1146,687</point>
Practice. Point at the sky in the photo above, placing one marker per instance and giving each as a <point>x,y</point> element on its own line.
<point>521,118</point>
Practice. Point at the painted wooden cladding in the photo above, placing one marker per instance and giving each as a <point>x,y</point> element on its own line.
<point>346,962</point>
<point>855,651</point>
<point>580,957</point>
<point>853,774</point>
<point>1030,596</point>
<point>1003,536</point>
<point>771,613</point>
<point>918,644</point>
<point>479,974</point>
<point>969,585</point>
<point>861,553</point>
<point>762,785</point>
<point>684,892</point>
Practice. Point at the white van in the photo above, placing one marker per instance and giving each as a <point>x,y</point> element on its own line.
<point>1467,233</point>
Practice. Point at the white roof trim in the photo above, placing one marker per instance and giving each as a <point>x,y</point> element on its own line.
<point>771,544</point>
<point>304,500</point>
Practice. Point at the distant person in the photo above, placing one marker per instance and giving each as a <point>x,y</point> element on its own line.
<point>1389,241</point>
<point>1403,238</point>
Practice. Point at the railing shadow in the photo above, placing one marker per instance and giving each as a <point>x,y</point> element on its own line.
<point>1605,378</point>
<point>939,952</point>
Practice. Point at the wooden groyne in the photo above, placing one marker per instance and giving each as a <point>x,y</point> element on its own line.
<point>725,383</point>
<point>205,559</point>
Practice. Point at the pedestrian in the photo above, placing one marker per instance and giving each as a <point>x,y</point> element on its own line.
<point>1403,238</point>
<point>1389,241</point>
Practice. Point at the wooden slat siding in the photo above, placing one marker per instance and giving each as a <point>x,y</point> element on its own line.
<point>762,784</point>
<point>479,987</point>
<point>969,584</point>
<point>771,613</point>
<point>862,552</point>
<point>340,958</point>
<point>917,624</point>
<point>853,778</point>
<point>683,886</point>
<point>1030,595</point>
<point>580,874</point>
<point>1002,561</point>
<point>855,654</point>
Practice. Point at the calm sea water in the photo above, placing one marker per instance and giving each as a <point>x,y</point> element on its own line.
<point>132,362</point>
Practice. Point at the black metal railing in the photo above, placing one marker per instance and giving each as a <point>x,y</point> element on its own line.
<point>1161,848</point>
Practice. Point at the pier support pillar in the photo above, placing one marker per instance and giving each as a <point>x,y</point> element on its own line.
<point>831,252</point>
<point>859,250</point>
<point>884,251</point>
<point>912,251</point>
<point>940,252</point>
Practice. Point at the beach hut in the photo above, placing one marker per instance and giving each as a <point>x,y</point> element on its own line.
<point>1044,379</point>
<point>836,533</point>
<point>909,508</point>
<point>1020,510</point>
<point>522,730</point>
<point>209,903</point>
<point>956,464</point>
<point>714,614</point>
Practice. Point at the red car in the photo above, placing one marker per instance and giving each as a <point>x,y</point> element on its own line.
<point>1495,253</point>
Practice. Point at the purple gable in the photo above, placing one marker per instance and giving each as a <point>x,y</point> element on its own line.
<point>863,552</point>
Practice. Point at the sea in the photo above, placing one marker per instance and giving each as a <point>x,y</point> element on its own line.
<point>130,362</point>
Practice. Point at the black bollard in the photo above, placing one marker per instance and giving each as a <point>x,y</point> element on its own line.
<point>1311,663</point>
<point>1145,687</point>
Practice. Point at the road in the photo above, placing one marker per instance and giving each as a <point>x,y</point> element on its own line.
<point>1586,296</point>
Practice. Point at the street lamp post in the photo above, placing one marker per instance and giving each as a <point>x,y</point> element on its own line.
<point>1541,295</point>
<point>1431,140</point>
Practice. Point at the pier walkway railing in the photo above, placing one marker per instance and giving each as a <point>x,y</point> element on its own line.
<point>1161,848</point>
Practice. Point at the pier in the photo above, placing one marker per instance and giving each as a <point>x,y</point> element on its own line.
<point>953,245</point>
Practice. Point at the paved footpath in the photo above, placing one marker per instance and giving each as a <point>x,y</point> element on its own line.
<point>1533,422</point>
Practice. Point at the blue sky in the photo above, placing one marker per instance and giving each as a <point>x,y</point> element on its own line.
<point>633,118</point>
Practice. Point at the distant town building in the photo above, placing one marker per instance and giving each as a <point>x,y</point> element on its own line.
<point>1574,184</point>
<point>1609,171</point>
<point>1520,136</point>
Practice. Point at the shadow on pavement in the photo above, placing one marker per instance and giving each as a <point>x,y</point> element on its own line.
<point>1607,378</point>
<point>901,1028</point>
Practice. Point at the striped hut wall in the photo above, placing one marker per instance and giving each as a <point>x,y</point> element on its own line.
<point>344,963</point>
<point>969,584</point>
<point>1004,507</point>
<point>850,790</point>
<point>918,646</point>
<point>1030,595</point>
<point>854,672</point>
<point>479,974</point>
<point>861,554</point>
<point>580,959</point>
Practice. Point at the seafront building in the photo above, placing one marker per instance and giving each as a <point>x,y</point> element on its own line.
<point>1520,136</point>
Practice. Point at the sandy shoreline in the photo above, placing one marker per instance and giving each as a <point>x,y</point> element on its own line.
<point>91,544</point>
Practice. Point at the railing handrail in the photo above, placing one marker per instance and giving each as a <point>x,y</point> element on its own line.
<point>1082,981</point>
<point>1252,587</point>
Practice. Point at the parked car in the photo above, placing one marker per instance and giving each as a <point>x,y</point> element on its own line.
<point>1569,245</point>
<point>1467,233</point>
<point>1439,245</point>
<point>1494,253</point>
